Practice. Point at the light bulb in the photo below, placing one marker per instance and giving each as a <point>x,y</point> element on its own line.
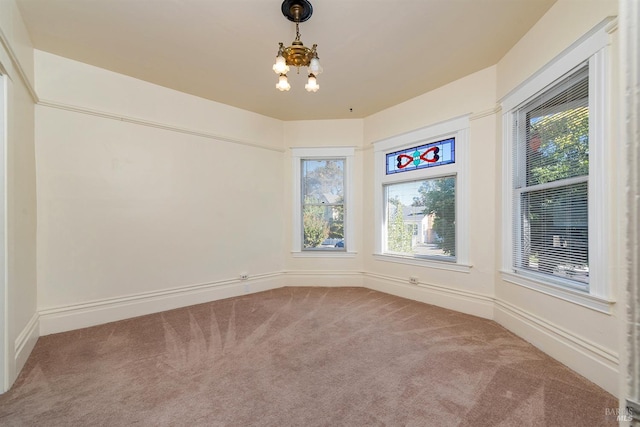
<point>283,83</point>
<point>312,84</point>
<point>314,66</point>
<point>280,67</point>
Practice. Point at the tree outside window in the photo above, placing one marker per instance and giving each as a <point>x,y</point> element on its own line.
<point>552,186</point>
<point>323,203</point>
<point>421,218</point>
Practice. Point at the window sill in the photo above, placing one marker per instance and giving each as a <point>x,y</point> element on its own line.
<point>574,296</point>
<point>323,254</point>
<point>440,265</point>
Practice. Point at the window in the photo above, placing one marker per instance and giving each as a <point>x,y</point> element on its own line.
<point>426,156</point>
<point>427,206</point>
<point>555,155</point>
<point>323,204</point>
<point>322,197</point>
<point>550,180</point>
<point>421,190</point>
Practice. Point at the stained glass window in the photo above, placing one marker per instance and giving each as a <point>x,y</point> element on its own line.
<point>424,156</point>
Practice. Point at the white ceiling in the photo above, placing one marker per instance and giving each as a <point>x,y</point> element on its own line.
<point>375,53</point>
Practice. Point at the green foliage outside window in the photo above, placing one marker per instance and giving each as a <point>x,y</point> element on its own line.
<point>399,233</point>
<point>323,207</point>
<point>557,149</point>
<point>316,228</point>
<point>438,196</point>
<point>558,146</point>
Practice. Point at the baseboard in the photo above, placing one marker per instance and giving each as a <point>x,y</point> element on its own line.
<point>454,299</point>
<point>325,278</point>
<point>594,362</point>
<point>66,318</point>
<point>25,342</point>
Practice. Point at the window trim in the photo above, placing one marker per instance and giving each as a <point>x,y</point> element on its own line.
<point>320,153</point>
<point>593,48</point>
<point>458,128</point>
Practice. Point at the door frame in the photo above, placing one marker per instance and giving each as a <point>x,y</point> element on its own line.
<point>4,359</point>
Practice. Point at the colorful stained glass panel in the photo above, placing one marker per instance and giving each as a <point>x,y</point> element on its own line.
<point>424,156</point>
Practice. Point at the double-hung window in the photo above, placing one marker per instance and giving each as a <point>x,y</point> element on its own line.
<point>550,183</point>
<point>322,203</point>
<point>555,156</point>
<point>323,221</point>
<point>421,196</point>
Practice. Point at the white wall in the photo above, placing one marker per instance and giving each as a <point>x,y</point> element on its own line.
<point>320,270</point>
<point>584,339</point>
<point>16,58</point>
<point>472,291</point>
<point>148,198</point>
<point>563,24</point>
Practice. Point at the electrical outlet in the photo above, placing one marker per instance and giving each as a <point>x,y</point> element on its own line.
<point>244,276</point>
<point>413,280</point>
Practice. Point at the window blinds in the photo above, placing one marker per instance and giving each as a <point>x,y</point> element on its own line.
<point>551,182</point>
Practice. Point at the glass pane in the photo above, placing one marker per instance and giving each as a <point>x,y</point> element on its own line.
<point>555,232</point>
<point>557,145</point>
<point>420,217</point>
<point>323,227</point>
<point>424,156</point>
<point>323,181</point>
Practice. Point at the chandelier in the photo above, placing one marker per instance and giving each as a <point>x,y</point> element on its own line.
<point>297,55</point>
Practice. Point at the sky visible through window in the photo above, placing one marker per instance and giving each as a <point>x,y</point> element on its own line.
<point>405,192</point>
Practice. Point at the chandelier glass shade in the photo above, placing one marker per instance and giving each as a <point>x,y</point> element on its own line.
<point>297,55</point>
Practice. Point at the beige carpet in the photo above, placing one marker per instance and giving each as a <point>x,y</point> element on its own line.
<point>300,357</point>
